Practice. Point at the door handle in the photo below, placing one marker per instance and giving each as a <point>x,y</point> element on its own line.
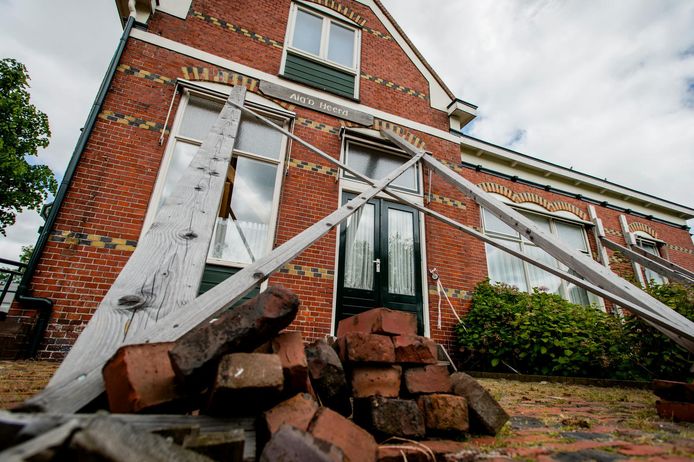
<point>378,265</point>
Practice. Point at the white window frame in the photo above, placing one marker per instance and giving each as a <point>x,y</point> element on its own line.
<point>563,287</point>
<point>328,17</point>
<point>641,238</point>
<point>169,153</point>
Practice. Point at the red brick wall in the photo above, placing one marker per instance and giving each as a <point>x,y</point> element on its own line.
<point>108,199</point>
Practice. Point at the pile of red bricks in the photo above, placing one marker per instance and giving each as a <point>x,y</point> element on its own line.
<point>677,400</point>
<point>378,382</point>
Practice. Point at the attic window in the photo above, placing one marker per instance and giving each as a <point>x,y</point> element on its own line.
<point>322,52</point>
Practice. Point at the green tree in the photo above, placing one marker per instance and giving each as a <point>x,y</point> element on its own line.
<point>23,130</point>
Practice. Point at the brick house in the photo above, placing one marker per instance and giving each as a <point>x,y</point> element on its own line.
<point>333,73</point>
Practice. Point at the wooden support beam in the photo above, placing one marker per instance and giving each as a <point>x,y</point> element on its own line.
<point>163,274</point>
<point>72,395</point>
<point>644,258</point>
<point>665,262</point>
<point>598,233</point>
<point>677,326</point>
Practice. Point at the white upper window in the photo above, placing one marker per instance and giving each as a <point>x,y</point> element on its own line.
<point>324,38</point>
<point>651,247</point>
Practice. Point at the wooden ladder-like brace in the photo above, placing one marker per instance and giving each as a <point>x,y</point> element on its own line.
<point>154,297</point>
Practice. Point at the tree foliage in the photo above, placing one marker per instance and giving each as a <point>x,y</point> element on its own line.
<point>23,130</point>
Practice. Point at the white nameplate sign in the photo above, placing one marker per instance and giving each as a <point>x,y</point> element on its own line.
<point>318,104</point>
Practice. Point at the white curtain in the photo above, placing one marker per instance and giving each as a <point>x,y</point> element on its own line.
<point>505,268</point>
<point>359,249</point>
<point>228,245</point>
<point>400,252</point>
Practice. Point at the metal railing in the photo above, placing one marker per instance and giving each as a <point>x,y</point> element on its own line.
<point>10,274</point>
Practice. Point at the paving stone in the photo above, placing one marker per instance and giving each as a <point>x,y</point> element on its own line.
<point>379,321</point>
<point>674,391</point>
<point>486,414</point>
<point>140,377</point>
<point>415,349</point>
<point>297,412</point>
<point>427,379</point>
<point>521,421</point>
<point>246,382</point>
<point>389,417</point>
<point>444,413</point>
<point>356,443</point>
<point>289,346</point>
<point>242,329</point>
<point>441,448</point>
<point>592,455</point>
<point>290,444</point>
<point>376,381</point>
<point>328,378</point>
<point>365,348</point>
<point>640,450</point>
<point>585,436</point>
<point>679,412</point>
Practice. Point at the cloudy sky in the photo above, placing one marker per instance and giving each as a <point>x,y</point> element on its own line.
<point>604,87</point>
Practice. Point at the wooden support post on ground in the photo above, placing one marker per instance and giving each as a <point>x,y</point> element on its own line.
<point>661,316</point>
<point>87,384</point>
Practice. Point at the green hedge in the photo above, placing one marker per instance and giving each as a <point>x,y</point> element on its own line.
<point>542,333</point>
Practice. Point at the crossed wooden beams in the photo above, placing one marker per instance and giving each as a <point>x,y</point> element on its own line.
<point>154,297</point>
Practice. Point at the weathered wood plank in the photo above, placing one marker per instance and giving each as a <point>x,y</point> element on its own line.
<point>665,263</point>
<point>47,441</point>
<point>598,232</point>
<point>645,259</point>
<point>631,241</point>
<point>677,326</point>
<point>70,396</point>
<point>163,274</point>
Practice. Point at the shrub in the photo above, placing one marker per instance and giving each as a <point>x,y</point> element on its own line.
<point>541,333</point>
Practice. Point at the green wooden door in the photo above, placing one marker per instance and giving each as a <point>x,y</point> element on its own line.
<point>380,260</point>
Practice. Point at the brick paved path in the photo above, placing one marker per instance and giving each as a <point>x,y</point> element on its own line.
<point>550,422</point>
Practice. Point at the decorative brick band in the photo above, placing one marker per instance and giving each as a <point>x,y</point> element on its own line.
<point>309,271</point>
<point>636,226</point>
<point>452,293</point>
<point>410,137</point>
<point>238,29</point>
<point>130,70</point>
<point>394,86</point>
<point>378,34</point>
<point>680,249</point>
<point>131,120</point>
<point>533,198</point>
<point>93,240</point>
<point>618,257</point>
<point>304,122</point>
<point>612,232</point>
<point>304,165</point>
<point>211,74</point>
<point>448,201</point>
<point>343,10</point>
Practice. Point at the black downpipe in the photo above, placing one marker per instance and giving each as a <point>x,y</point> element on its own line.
<point>44,306</point>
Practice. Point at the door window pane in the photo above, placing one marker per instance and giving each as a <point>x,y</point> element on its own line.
<point>359,249</point>
<point>258,138</point>
<point>307,32</point>
<point>401,269</point>
<point>241,232</point>
<point>341,48</point>
<point>182,155</point>
<point>199,117</point>
<point>505,268</point>
<point>376,164</point>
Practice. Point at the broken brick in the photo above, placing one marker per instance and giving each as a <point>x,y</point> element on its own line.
<point>376,381</point>
<point>390,417</point>
<point>444,413</point>
<point>415,349</point>
<point>485,412</point>
<point>379,321</point>
<point>290,444</point>
<point>242,329</point>
<point>674,391</point>
<point>427,379</point>
<point>223,445</point>
<point>328,378</point>
<point>297,412</point>
<point>246,381</point>
<point>356,443</point>
<point>289,346</point>
<point>672,410</point>
<point>367,348</point>
<point>140,377</point>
